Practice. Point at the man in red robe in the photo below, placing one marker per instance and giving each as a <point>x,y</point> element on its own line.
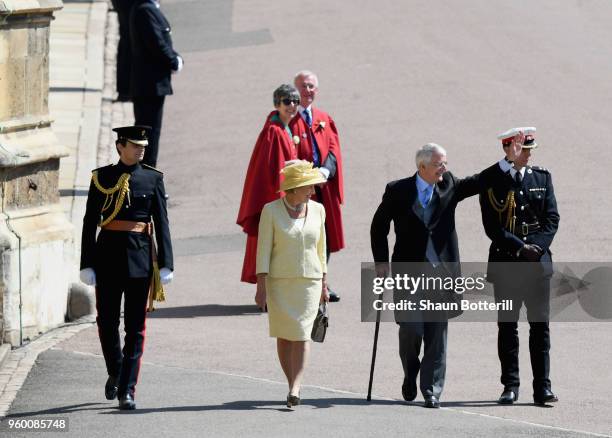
<point>273,148</point>
<point>319,143</point>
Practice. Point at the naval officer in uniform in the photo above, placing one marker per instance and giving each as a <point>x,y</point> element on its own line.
<point>127,201</point>
<point>519,214</point>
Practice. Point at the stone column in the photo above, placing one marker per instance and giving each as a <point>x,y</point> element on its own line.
<point>35,236</point>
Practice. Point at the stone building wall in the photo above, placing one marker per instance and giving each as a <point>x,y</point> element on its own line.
<point>35,236</point>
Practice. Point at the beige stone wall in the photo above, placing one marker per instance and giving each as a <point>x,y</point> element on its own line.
<point>24,79</point>
<point>35,236</point>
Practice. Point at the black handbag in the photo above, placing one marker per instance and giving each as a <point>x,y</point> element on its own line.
<point>321,322</point>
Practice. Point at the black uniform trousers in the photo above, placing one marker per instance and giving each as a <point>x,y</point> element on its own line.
<point>124,51</point>
<point>126,364</point>
<point>535,294</point>
<point>148,110</point>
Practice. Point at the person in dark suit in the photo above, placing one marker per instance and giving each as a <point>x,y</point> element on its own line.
<point>124,52</point>
<point>127,201</point>
<point>422,209</point>
<point>153,62</point>
<point>519,214</point>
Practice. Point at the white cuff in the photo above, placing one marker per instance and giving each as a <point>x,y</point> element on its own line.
<point>166,275</point>
<point>88,276</point>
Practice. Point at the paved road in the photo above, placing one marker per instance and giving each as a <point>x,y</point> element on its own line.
<point>204,403</point>
<point>395,75</point>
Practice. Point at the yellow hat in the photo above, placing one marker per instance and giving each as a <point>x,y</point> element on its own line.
<point>299,173</point>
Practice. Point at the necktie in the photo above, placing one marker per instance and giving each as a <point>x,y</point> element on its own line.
<point>518,177</point>
<point>313,142</point>
<point>426,196</point>
<point>307,118</point>
<point>431,254</point>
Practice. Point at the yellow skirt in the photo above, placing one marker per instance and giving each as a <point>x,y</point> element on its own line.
<point>292,306</point>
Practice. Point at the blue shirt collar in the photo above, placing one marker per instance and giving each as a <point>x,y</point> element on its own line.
<point>422,185</point>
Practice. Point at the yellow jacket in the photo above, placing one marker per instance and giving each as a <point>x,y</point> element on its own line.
<point>286,251</point>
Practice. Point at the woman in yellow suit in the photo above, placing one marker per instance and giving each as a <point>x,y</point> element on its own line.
<point>291,268</point>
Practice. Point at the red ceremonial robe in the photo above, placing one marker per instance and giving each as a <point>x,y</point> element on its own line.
<point>326,135</point>
<point>272,149</point>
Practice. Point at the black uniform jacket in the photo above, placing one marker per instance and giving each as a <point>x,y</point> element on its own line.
<point>153,58</point>
<point>411,234</point>
<point>123,252</point>
<point>537,218</point>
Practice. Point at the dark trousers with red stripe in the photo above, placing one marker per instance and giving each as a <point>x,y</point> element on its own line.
<point>123,364</point>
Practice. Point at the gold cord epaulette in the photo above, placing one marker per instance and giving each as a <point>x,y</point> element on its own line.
<point>122,186</point>
<point>510,206</point>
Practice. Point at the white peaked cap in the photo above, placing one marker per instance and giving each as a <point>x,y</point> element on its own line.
<point>527,130</point>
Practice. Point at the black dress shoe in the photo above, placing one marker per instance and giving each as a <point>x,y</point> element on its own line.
<point>123,98</point>
<point>431,401</point>
<point>110,389</point>
<point>544,397</point>
<point>409,389</point>
<point>127,403</point>
<point>508,397</point>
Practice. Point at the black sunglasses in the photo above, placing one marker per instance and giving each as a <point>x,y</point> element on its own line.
<point>287,101</point>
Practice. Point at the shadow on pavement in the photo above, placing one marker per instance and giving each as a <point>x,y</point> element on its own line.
<point>63,410</point>
<point>487,403</point>
<point>249,405</point>
<point>204,310</point>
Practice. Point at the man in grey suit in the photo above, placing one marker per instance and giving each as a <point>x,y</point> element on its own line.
<point>422,209</point>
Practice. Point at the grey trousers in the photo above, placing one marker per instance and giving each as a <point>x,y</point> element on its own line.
<point>433,364</point>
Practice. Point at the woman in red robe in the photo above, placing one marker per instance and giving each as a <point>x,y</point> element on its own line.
<point>275,145</point>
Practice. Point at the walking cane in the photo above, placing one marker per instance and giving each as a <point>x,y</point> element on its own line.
<point>374,352</point>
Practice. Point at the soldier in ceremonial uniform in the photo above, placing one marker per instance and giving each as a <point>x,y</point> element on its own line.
<point>154,60</point>
<point>519,214</point>
<point>127,201</point>
<point>124,52</point>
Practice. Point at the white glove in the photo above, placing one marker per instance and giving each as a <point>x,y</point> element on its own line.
<point>180,64</point>
<point>324,171</point>
<point>166,275</point>
<point>88,276</point>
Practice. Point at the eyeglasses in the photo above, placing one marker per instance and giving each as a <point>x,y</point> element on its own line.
<point>439,165</point>
<point>287,101</point>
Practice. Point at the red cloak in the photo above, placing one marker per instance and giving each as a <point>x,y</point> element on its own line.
<point>325,133</point>
<point>272,149</point>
